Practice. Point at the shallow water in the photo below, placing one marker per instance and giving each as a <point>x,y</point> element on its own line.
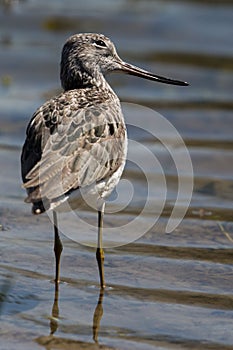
<point>165,290</point>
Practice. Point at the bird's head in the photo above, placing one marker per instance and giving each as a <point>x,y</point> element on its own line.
<point>87,57</point>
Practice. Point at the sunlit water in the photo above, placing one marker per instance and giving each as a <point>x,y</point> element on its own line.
<point>165,290</point>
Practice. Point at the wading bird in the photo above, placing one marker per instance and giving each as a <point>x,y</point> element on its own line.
<point>77,141</point>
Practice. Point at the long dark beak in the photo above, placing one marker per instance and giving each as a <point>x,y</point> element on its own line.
<point>138,72</point>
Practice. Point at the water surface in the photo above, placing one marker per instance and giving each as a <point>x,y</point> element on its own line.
<point>165,290</point>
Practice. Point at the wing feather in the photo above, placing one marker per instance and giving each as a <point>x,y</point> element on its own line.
<point>64,152</point>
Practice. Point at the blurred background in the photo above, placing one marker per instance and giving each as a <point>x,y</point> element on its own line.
<point>167,291</point>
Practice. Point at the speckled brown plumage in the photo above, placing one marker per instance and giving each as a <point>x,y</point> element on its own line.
<point>68,133</point>
<point>78,138</point>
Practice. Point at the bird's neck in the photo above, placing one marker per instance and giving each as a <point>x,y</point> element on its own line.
<point>71,79</point>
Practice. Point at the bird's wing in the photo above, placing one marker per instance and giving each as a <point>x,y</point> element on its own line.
<point>71,150</point>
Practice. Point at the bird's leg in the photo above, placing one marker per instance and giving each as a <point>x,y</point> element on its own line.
<point>100,251</point>
<point>57,249</point>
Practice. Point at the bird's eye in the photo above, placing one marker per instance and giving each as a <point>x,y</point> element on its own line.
<point>99,43</point>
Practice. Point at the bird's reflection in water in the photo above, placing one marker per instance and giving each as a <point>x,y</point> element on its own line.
<point>55,311</point>
<point>96,317</point>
